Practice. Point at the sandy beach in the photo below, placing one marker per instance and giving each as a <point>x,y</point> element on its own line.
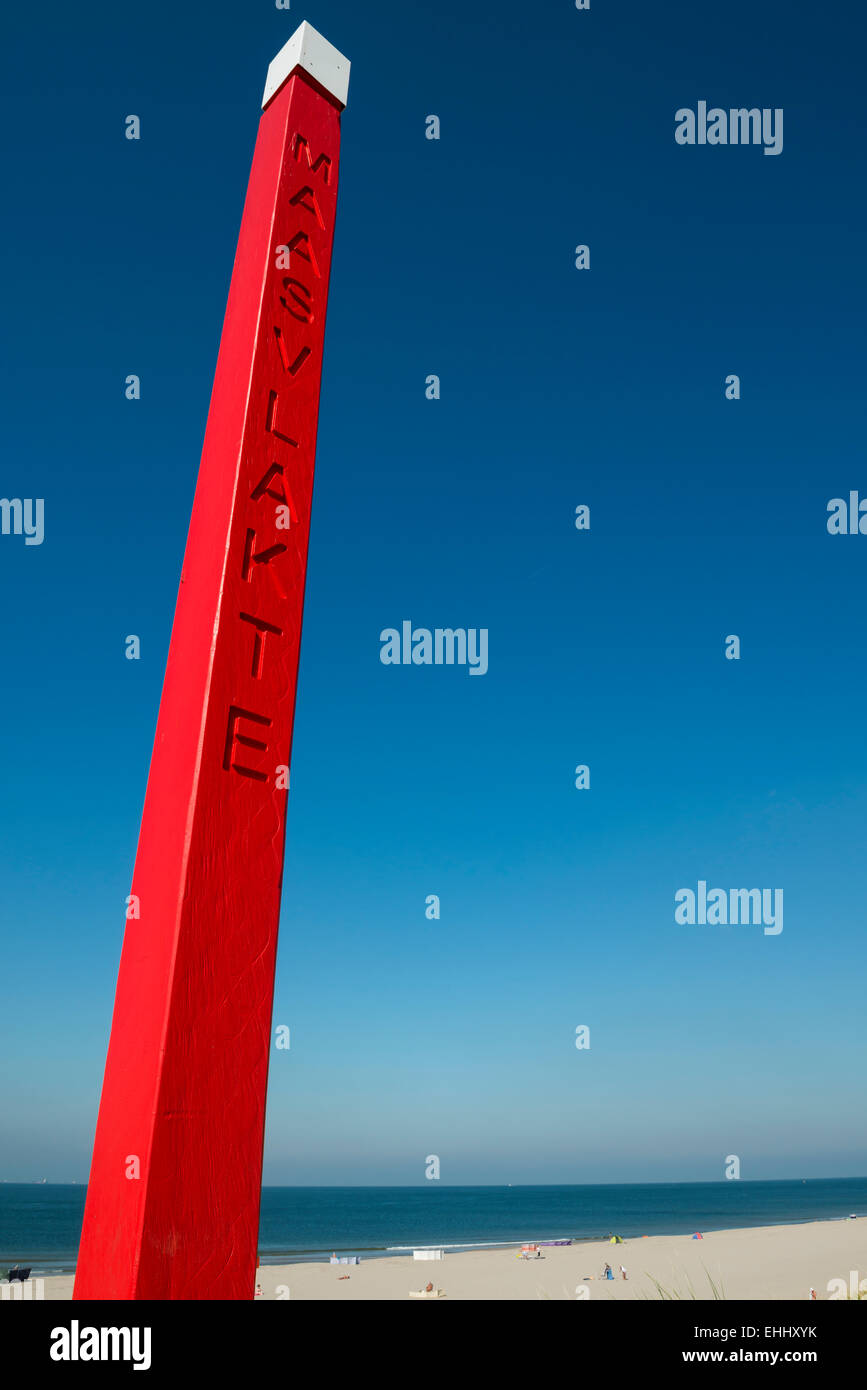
<point>765,1262</point>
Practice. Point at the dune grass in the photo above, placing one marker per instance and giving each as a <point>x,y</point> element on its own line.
<point>672,1295</point>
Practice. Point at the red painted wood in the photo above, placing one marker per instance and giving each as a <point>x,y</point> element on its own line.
<point>186,1073</point>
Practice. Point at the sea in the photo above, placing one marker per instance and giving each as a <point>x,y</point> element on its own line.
<point>40,1223</point>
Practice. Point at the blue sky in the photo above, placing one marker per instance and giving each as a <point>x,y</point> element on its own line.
<point>559,387</point>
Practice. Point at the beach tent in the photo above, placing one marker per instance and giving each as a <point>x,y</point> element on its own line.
<point>616,1240</point>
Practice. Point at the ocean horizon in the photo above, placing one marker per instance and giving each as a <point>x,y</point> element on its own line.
<point>40,1223</point>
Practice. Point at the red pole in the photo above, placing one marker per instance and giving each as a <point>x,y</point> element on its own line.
<point>172,1206</point>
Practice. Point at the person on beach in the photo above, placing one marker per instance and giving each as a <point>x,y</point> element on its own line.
<point>623,1271</point>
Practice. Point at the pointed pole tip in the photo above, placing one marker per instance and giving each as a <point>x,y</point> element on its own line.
<point>309,52</point>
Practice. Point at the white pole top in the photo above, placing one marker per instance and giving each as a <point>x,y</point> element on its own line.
<point>308,50</point>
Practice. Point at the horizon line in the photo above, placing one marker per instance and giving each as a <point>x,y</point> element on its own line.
<point>656,1182</point>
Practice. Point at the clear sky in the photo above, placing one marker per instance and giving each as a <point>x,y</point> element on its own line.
<point>560,387</point>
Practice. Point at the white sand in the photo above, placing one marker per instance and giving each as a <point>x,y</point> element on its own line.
<point>766,1262</point>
